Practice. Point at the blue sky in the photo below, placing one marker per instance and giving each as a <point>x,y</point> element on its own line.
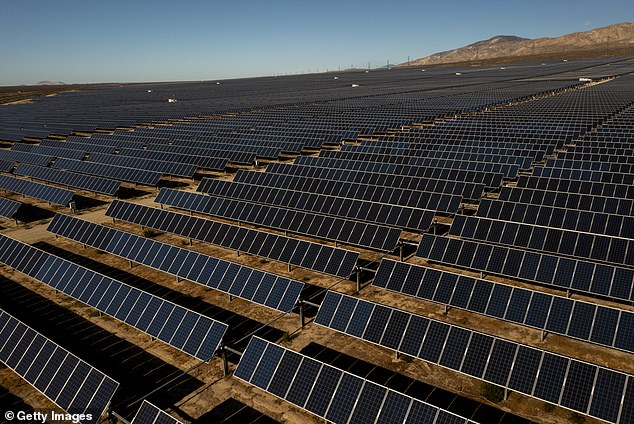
<point>106,41</point>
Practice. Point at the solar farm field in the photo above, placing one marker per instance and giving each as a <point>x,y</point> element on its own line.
<point>447,246</point>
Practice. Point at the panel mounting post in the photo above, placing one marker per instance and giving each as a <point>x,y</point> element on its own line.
<point>302,317</point>
<point>358,280</point>
<point>225,362</point>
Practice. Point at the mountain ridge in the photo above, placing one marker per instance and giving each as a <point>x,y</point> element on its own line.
<point>612,40</point>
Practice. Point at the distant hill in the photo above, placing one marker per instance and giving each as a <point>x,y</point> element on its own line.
<point>613,40</point>
<point>50,83</point>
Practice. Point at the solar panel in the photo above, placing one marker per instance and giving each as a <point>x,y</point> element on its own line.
<point>209,163</point>
<point>56,152</point>
<point>328,392</point>
<point>6,165</point>
<point>577,186</point>
<point>566,219</point>
<point>563,273</point>
<point>70,179</point>
<point>470,352</point>
<point>8,207</point>
<point>163,167</point>
<point>585,175</point>
<point>381,213</point>
<point>65,379</point>
<point>244,157</point>
<point>600,248</point>
<point>56,195</point>
<point>301,253</point>
<point>489,179</point>
<point>509,170</point>
<point>238,280</point>
<point>82,147</point>
<point>179,327</point>
<point>326,227</point>
<point>25,157</point>
<point>581,320</point>
<point>466,190</point>
<point>150,414</point>
<point>587,202</point>
<point>388,195</point>
<point>137,176</point>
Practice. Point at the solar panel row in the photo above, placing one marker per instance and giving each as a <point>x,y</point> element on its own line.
<point>573,318</point>
<point>584,202</point>
<point>55,152</point>
<point>69,382</point>
<point>56,195</point>
<point>583,175</point>
<point>503,157</point>
<point>557,379</point>
<point>566,219</point>
<point>379,213</point>
<point>8,207</point>
<point>163,167</point>
<point>6,165</point>
<point>70,179</point>
<point>600,248</point>
<point>25,157</point>
<point>301,253</point>
<point>371,193</point>
<point>577,186</point>
<point>242,281</point>
<point>621,168</point>
<point>328,392</point>
<point>563,273</point>
<point>489,179</point>
<point>325,227</point>
<point>179,327</point>
<point>137,176</point>
<point>466,190</point>
<point>209,163</point>
<point>509,170</point>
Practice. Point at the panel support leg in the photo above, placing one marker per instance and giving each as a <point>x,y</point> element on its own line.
<point>225,362</point>
<point>358,280</point>
<point>290,268</point>
<point>302,317</point>
<point>446,309</point>
<point>506,393</point>
<point>400,252</point>
<point>543,335</point>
